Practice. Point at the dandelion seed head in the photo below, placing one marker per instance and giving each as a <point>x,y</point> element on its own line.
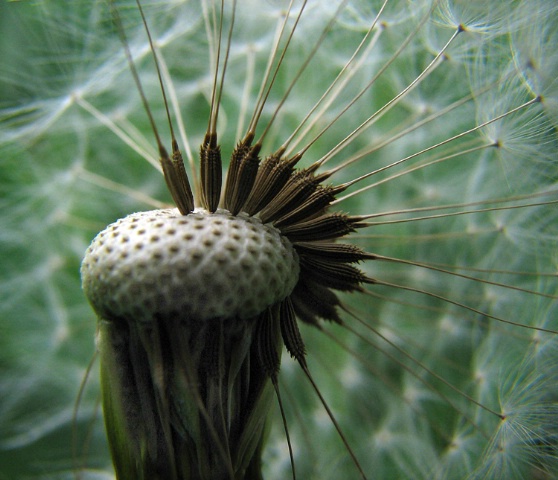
<point>534,58</point>
<point>476,17</point>
<point>413,441</point>
<point>523,433</point>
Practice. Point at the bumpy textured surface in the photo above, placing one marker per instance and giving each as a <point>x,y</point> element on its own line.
<point>200,266</point>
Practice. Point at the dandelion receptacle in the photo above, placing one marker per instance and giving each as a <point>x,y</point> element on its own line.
<point>332,239</point>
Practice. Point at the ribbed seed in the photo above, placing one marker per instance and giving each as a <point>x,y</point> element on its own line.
<point>297,189</point>
<point>334,252</point>
<point>177,181</point>
<point>290,332</point>
<point>339,276</point>
<point>268,342</point>
<point>314,205</point>
<point>313,302</point>
<point>240,151</point>
<point>247,173</point>
<point>324,227</point>
<point>272,177</point>
<point>210,172</point>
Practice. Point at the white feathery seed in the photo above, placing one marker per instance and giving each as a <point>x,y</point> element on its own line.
<point>196,267</point>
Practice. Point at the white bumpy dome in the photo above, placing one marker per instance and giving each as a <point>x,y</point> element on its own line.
<point>200,266</point>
